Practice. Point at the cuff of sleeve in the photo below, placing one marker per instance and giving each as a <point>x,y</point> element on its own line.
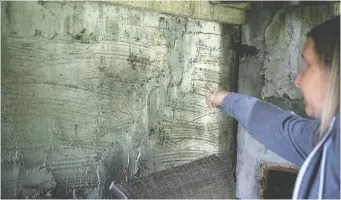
<point>239,107</point>
<point>228,102</point>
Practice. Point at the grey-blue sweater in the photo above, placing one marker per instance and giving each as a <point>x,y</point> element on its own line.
<point>293,138</point>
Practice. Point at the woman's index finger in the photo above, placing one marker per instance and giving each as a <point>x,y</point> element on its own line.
<point>210,87</point>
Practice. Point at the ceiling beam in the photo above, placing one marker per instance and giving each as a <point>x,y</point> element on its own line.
<point>203,10</point>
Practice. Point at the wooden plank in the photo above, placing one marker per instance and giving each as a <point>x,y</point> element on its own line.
<point>233,4</point>
<point>203,10</point>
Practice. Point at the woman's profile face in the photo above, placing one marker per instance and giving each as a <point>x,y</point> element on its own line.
<point>312,81</point>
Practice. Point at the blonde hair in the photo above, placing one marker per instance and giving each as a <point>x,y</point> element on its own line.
<point>326,37</point>
<point>332,99</point>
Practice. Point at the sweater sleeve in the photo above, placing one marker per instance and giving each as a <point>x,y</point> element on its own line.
<point>283,132</point>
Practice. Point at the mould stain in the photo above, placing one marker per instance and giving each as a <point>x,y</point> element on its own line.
<point>138,62</point>
<point>37,32</point>
<point>163,23</point>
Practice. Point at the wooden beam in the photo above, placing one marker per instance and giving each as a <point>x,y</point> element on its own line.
<point>245,5</point>
<point>202,10</point>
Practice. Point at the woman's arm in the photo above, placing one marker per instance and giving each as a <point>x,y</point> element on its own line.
<point>283,132</point>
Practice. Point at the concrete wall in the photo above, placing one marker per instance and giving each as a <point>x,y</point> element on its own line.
<point>92,93</point>
<point>273,40</point>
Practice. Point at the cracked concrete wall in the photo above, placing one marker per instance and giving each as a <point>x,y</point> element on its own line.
<point>93,93</point>
<point>274,40</point>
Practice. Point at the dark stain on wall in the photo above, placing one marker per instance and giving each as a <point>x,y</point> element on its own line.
<point>246,50</point>
<point>138,62</point>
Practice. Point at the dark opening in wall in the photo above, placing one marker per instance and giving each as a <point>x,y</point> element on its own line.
<point>277,182</point>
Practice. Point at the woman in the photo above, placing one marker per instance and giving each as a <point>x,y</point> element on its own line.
<point>311,144</point>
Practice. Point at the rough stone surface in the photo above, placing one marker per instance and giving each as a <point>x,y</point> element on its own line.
<point>284,41</point>
<point>279,36</point>
<point>93,93</point>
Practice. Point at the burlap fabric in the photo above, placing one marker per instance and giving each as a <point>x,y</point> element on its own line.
<point>204,178</point>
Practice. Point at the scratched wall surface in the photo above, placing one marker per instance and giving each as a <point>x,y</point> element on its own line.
<point>92,93</point>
